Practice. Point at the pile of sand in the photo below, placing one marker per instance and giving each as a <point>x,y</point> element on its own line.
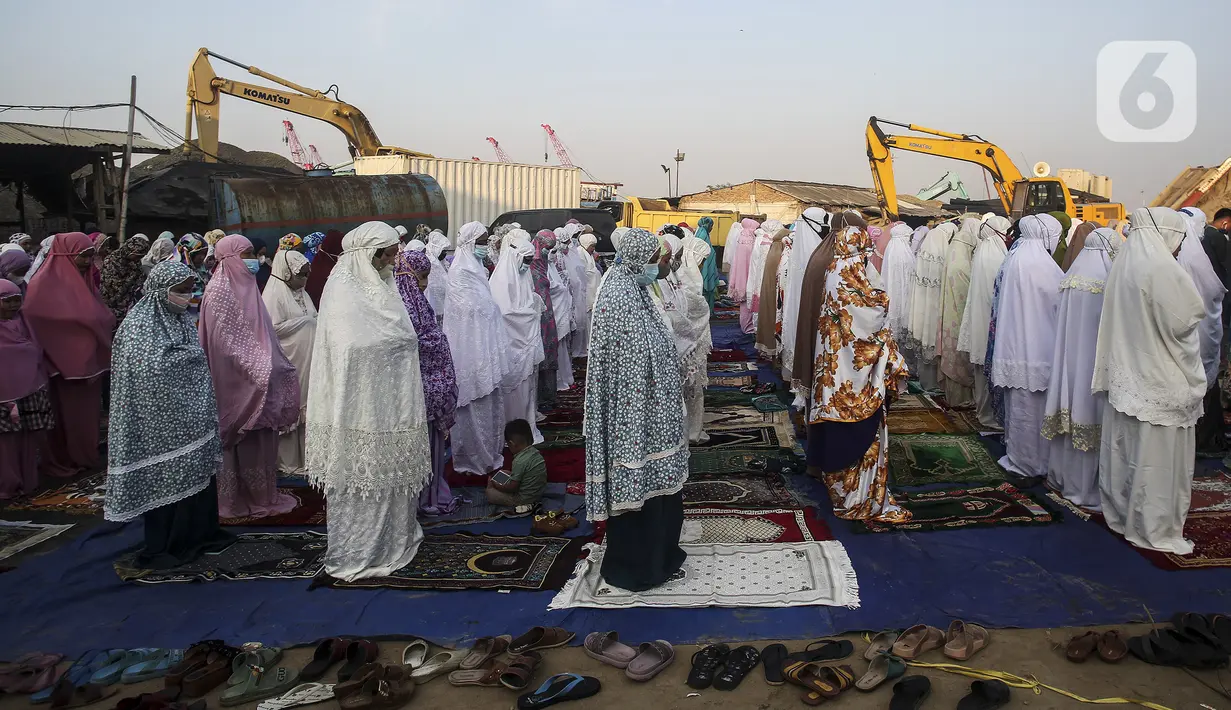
<point>227,153</point>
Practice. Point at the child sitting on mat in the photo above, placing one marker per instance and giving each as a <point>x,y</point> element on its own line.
<point>521,488</point>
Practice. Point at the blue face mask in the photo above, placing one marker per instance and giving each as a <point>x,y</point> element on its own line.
<point>254,265</point>
<point>648,275</point>
<point>480,252</point>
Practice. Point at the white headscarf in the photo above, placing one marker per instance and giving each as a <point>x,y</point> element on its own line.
<point>916,239</point>
<point>473,323</point>
<point>513,291</point>
<point>162,249</point>
<point>1195,261</point>
<point>44,248</point>
<point>415,245</point>
<point>760,252</point>
<point>925,298</point>
<point>587,241</point>
<point>730,245</point>
<point>898,276</point>
<point>691,322</point>
<point>9,246</point>
<point>1148,358</point>
<point>367,423</point>
<point>1052,230</point>
<point>806,240</point>
<point>292,314</point>
<point>1026,315</point>
<point>402,231</point>
<point>438,278</point>
<point>984,265</point>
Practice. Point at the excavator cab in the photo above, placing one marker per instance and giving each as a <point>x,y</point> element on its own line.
<point>1039,195</point>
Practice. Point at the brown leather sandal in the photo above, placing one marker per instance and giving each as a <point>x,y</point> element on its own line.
<point>367,672</point>
<point>541,638</point>
<point>378,694</point>
<point>212,672</point>
<point>481,677</point>
<point>484,650</point>
<point>520,670</point>
<point>1112,647</point>
<point>1081,646</point>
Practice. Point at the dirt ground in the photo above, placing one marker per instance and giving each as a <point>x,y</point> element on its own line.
<point>1022,652</point>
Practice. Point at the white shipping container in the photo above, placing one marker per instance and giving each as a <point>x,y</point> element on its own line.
<point>478,191</point>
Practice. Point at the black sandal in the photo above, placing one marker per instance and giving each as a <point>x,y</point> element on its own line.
<point>773,657</point>
<point>828,650</point>
<point>739,663</point>
<point>703,670</point>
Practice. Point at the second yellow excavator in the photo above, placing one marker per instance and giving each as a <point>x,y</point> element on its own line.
<point>1019,195</point>
<point>205,88</point>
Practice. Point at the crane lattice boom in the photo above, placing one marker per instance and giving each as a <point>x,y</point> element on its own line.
<point>290,138</point>
<point>501,156</point>
<point>561,153</point>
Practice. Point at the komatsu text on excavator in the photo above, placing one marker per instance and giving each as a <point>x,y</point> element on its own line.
<point>1019,195</point>
<point>205,88</point>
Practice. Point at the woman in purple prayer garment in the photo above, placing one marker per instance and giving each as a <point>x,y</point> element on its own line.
<point>439,381</point>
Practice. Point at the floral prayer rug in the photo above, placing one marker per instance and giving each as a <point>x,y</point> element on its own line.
<point>16,536</point>
<point>1211,494</point>
<point>1210,534</point>
<point>960,508</point>
<point>747,491</point>
<point>462,561</point>
<point>309,511</point>
<point>757,436</point>
<point>744,575</point>
<point>921,459</point>
<point>712,526</point>
<point>81,497</point>
<point>283,555</point>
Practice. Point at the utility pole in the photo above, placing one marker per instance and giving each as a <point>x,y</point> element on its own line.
<point>668,172</point>
<point>679,159</point>
<point>128,159</point>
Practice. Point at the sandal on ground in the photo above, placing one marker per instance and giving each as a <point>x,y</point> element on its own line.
<point>772,657</point>
<point>81,671</point>
<point>652,657</point>
<point>520,669</point>
<point>964,640</point>
<point>540,639</point>
<point>262,657</point>
<point>484,650</point>
<point>213,672</point>
<point>1168,647</point>
<point>705,665</point>
<point>415,653</point>
<point>379,694</point>
<point>917,640</point>
<point>738,664</point>
<point>1196,627</point>
<point>112,673</point>
<point>1111,647</point>
<point>1081,646</point>
<point>882,669</point>
<point>910,692</point>
<point>154,666</point>
<point>881,643</point>
<point>481,677</point>
<point>1221,624</point>
<point>439,664</point>
<point>328,652</point>
<point>367,672</point>
<point>605,647</point>
<point>302,694</point>
<point>825,650</point>
<point>65,695</point>
<point>558,689</point>
<point>820,682</point>
<point>985,695</point>
<point>261,683</point>
<point>358,653</point>
<point>195,657</point>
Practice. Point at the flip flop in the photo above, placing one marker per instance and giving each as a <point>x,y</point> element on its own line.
<point>155,666</point>
<point>111,673</point>
<point>828,650</point>
<point>1081,646</point>
<point>827,682</point>
<point>302,694</point>
<point>1111,647</point>
<point>910,692</point>
<point>1196,627</point>
<point>773,657</point>
<point>260,684</point>
<point>985,695</point>
<point>80,673</point>
<point>882,669</point>
<point>558,689</point>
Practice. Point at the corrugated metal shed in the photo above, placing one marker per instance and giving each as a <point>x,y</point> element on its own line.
<point>822,194</point>
<point>35,135</point>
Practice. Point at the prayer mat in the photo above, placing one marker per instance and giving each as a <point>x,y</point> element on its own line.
<point>722,369</point>
<point>563,466</point>
<point>712,526</point>
<point>750,575</point>
<point>81,497</point>
<point>1211,494</point>
<point>1210,534</point>
<point>740,416</point>
<point>561,439</point>
<point>745,491</point>
<point>769,403</point>
<point>727,398</point>
<point>724,315</point>
<point>309,511</point>
<point>728,355</point>
<point>908,402</point>
<point>965,421</point>
<point>755,436</point>
<point>733,461</point>
<point>920,421</point>
<point>474,508</point>
<point>959,508</point>
<point>292,555</point>
<point>16,536</point>
<point>921,459</point>
<point>462,561</point>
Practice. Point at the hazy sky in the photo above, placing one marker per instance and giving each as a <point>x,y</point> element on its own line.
<point>746,89</point>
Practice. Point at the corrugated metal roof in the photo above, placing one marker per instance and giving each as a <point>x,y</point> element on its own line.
<point>36,135</point>
<point>823,194</point>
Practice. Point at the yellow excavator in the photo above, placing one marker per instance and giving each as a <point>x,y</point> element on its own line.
<point>1019,195</point>
<point>205,88</point>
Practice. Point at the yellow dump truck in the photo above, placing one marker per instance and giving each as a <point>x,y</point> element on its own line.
<point>651,214</point>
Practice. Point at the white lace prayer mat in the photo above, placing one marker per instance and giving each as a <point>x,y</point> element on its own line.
<point>745,575</point>
<point>16,536</point>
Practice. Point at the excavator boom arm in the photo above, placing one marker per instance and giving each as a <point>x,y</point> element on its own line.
<point>205,89</point>
<point>971,149</point>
